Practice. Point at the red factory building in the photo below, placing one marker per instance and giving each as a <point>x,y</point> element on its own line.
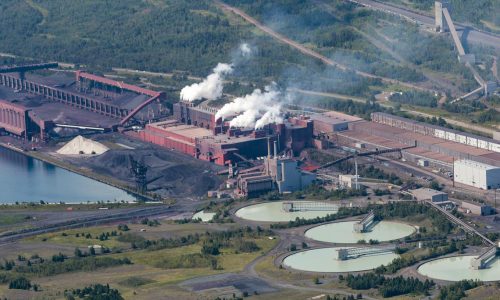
<point>21,121</point>
<point>195,131</point>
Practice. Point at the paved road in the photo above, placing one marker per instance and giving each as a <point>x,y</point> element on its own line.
<point>111,216</point>
<point>286,238</point>
<point>474,36</point>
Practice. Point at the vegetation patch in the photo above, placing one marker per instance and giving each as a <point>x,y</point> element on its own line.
<point>389,287</point>
<point>136,281</point>
<point>188,261</point>
<point>85,264</point>
<point>457,290</point>
<point>97,292</point>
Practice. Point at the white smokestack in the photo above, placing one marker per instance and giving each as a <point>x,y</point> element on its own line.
<point>210,88</point>
<point>254,110</point>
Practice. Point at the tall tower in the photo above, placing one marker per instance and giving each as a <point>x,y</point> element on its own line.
<point>441,25</point>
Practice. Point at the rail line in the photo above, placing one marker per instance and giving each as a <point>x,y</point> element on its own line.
<point>11,236</point>
<point>460,223</point>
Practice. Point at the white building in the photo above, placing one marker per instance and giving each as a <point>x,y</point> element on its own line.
<point>287,175</point>
<point>348,181</point>
<point>477,174</point>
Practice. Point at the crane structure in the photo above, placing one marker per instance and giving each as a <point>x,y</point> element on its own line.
<point>139,170</point>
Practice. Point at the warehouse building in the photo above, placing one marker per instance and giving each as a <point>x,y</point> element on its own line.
<point>437,132</point>
<point>477,209</point>
<point>477,174</point>
<point>426,194</point>
<point>332,121</point>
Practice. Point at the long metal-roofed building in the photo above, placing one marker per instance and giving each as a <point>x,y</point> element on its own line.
<point>420,140</point>
<point>332,121</point>
<point>174,135</point>
<point>437,131</point>
<point>70,96</point>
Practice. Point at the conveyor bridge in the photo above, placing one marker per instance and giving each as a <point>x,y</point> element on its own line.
<point>376,152</point>
<point>352,253</point>
<point>365,223</point>
<point>26,68</point>
<point>461,223</point>
<point>482,261</point>
<point>308,206</point>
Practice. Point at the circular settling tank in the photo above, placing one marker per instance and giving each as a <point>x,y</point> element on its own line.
<point>323,260</point>
<point>458,268</point>
<point>276,212</point>
<point>343,232</point>
<point>203,216</point>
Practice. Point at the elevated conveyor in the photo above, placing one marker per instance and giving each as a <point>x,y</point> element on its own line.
<point>353,253</point>
<point>309,206</point>
<point>482,261</point>
<point>365,223</point>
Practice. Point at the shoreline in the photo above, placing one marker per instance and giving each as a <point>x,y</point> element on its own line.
<point>68,167</point>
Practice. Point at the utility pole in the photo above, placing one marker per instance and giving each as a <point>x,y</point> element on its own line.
<point>356,172</point>
<point>453,172</point>
<point>496,199</point>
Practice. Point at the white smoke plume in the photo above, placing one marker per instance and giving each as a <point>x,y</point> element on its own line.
<point>254,110</point>
<point>210,88</point>
<point>245,50</point>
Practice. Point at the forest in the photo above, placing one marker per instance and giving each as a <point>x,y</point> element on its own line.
<point>389,287</point>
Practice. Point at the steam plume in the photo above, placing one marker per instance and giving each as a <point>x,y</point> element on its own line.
<point>254,110</point>
<point>245,50</point>
<point>210,88</point>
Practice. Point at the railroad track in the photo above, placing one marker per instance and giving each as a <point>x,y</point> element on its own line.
<point>11,236</point>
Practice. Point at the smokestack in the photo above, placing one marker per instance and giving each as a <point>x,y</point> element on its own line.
<point>275,149</point>
<point>268,148</point>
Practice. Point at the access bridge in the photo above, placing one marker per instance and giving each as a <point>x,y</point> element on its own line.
<point>353,253</point>
<point>488,255</point>
<point>293,206</point>
<point>365,223</point>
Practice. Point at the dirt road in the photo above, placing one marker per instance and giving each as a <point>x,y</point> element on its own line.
<point>308,51</point>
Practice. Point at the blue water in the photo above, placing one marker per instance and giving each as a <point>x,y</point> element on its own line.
<point>25,179</point>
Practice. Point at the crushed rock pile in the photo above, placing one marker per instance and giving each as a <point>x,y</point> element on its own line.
<point>81,145</point>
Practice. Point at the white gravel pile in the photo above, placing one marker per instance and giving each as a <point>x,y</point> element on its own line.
<point>81,145</point>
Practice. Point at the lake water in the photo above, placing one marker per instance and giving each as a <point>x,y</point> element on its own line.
<point>323,260</point>
<point>25,179</point>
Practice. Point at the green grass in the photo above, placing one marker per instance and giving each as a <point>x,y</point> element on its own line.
<point>11,219</point>
<point>70,239</point>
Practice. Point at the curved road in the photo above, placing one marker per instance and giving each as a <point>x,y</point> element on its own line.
<point>249,270</point>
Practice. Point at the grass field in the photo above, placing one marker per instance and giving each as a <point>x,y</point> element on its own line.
<point>153,282</point>
<point>13,219</point>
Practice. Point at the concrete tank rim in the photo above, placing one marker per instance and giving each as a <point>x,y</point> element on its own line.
<point>319,272</point>
<point>238,208</point>
<point>445,257</point>
<point>345,221</point>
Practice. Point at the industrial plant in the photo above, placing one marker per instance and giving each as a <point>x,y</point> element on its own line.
<point>35,107</point>
<point>218,184</point>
